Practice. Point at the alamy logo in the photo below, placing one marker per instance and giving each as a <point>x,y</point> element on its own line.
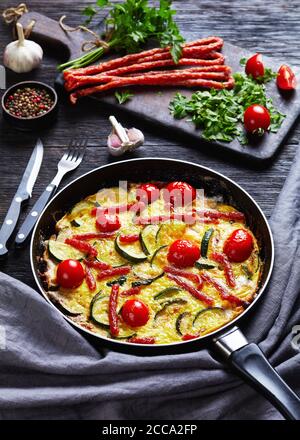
<point>296,337</point>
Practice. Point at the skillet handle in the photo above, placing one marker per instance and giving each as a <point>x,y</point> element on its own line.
<point>253,366</point>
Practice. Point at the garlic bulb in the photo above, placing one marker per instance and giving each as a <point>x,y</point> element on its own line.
<point>22,55</point>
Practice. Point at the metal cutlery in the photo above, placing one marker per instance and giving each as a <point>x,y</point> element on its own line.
<point>2,78</point>
<point>23,193</point>
<point>69,161</point>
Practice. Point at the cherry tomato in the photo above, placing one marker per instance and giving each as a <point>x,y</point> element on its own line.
<point>180,192</point>
<point>70,274</point>
<point>147,193</point>
<point>286,79</point>
<point>135,313</point>
<point>183,253</point>
<point>256,117</point>
<point>238,246</point>
<point>255,66</point>
<point>107,222</point>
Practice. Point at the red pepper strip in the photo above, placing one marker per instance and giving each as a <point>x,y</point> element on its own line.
<point>132,58</point>
<point>93,235</point>
<point>112,310</point>
<point>137,340</point>
<point>82,246</point>
<point>128,238</point>
<point>111,209</point>
<point>123,270</point>
<point>131,291</point>
<point>224,294</point>
<point>90,279</point>
<point>182,273</point>
<point>189,337</point>
<point>191,289</point>
<point>223,260</point>
<point>98,265</point>
<point>178,78</point>
<point>187,217</point>
<point>208,220</point>
<point>237,216</point>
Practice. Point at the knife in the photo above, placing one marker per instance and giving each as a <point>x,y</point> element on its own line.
<point>2,78</point>
<point>23,193</point>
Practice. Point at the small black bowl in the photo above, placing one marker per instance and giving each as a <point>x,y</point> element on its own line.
<point>37,122</point>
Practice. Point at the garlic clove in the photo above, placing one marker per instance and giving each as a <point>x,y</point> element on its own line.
<point>121,140</point>
<point>136,137</point>
<point>114,145</point>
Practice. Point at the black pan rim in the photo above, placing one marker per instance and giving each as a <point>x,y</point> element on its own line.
<point>154,347</point>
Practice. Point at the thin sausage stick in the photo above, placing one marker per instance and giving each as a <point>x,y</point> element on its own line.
<point>74,83</point>
<point>184,79</point>
<point>209,45</point>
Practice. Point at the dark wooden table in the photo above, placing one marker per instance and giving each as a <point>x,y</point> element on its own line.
<point>271,27</point>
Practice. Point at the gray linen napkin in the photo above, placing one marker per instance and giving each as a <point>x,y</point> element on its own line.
<point>49,371</point>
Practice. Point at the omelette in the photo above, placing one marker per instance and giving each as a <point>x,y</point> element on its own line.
<point>143,270</point>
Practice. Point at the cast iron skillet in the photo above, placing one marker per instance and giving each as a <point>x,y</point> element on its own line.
<point>245,357</point>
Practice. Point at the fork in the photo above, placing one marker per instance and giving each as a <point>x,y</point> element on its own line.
<point>69,162</point>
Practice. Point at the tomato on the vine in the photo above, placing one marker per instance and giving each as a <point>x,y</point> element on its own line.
<point>135,313</point>
<point>147,193</point>
<point>254,66</point>
<point>107,222</point>
<point>180,192</point>
<point>70,274</point>
<point>183,253</point>
<point>257,118</point>
<point>238,246</point>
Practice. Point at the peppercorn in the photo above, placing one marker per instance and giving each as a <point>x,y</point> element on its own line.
<point>29,102</point>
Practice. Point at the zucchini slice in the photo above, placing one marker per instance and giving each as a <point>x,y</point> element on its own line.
<point>121,280</point>
<point>76,222</point>
<point>183,323</point>
<point>84,205</point>
<point>130,252</point>
<point>99,309</point>
<point>125,334</point>
<point>62,251</point>
<point>146,271</point>
<point>167,305</point>
<point>247,271</point>
<point>205,242</point>
<point>158,254</point>
<point>169,232</point>
<point>202,263</point>
<point>146,281</point>
<point>148,239</point>
<point>210,318</point>
<point>168,291</point>
<point>58,299</point>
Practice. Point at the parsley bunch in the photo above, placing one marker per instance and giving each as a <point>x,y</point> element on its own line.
<point>130,25</point>
<point>220,112</point>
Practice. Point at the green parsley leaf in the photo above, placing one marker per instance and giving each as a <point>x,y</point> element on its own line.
<point>89,12</point>
<point>103,3</point>
<point>124,96</point>
<point>219,113</point>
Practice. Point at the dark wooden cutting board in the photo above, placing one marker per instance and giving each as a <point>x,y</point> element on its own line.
<point>151,104</point>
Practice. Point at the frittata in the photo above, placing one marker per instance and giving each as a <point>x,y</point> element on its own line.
<point>130,267</point>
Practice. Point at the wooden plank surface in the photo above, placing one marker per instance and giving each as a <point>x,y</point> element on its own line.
<point>272,27</point>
